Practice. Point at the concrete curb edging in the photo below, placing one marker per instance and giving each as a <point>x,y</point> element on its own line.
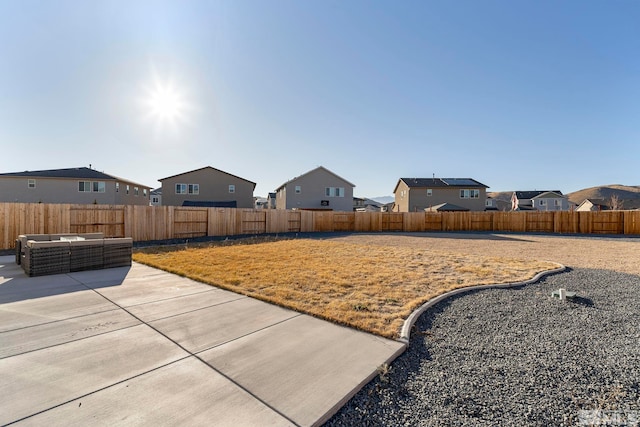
<point>405,333</point>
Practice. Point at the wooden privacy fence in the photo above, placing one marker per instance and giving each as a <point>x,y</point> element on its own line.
<point>144,223</point>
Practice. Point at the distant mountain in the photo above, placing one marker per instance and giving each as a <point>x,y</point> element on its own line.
<point>605,192</point>
<point>384,199</point>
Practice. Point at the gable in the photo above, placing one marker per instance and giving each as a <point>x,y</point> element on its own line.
<point>317,175</point>
<point>207,173</point>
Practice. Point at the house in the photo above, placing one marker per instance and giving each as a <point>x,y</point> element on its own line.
<point>595,205</point>
<point>419,194</point>
<point>446,207</point>
<point>318,189</point>
<point>271,201</point>
<point>361,204</point>
<point>539,201</point>
<point>156,197</point>
<point>497,204</point>
<point>207,187</point>
<point>73,186</point>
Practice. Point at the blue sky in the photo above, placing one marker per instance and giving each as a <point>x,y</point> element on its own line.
<point>519,95</point>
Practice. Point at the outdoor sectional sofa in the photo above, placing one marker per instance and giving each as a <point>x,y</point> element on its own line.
<point>41,254</point>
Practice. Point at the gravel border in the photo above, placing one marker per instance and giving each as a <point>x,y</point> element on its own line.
<point>516,357</point>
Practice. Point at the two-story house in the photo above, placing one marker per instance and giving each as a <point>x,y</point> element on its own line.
<point>437,194</point>
<point>73,186</point>
<point>317,189</point>
<point>539,200</point>
<point>209,187</point>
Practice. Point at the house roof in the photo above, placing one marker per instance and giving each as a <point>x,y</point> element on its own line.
<point>212,168</point>
<point>156,192</point>
<point>313,170</point>
<point>439,183</point>
<point>70,173</point>
<point>533,194</point>
<point>605,204</point>
<point>446,207</point>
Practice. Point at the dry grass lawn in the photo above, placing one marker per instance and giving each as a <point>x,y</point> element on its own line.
<point>364,284</point>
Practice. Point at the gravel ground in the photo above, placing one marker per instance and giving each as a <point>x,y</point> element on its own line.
<point>516,357</point>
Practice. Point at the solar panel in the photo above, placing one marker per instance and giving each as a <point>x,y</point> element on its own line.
<point>459,181</point>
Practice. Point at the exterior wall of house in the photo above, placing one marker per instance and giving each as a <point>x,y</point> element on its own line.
<point>586,206</point>
<point>312,191</point>
<point>416,199</point>
<point>550,203</point>
<point>66,190</point>
<point>213,186</point>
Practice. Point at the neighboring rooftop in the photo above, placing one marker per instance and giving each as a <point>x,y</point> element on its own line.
<point>69,173</point>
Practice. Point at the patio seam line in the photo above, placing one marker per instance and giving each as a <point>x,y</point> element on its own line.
<point>59,320</point>
<point>170,298</point>
<point>250,333</point>
<point>201,360</point>
<point>194,310</point>
<point>100,389</point>
<point>67,342</point>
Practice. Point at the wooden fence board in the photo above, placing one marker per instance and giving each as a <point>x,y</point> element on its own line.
<point>393,221</point>
<point>190,222</point>
<point>368,222</point>
<point>344,221</point>
<point>566,222</point>
<point>254,221</point>
<point>541,222</point>
<point>631,222</point>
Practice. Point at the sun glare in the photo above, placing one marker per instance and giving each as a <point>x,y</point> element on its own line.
<point>165,105</point>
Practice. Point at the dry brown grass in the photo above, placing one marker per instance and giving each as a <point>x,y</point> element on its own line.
<point>367,286</point>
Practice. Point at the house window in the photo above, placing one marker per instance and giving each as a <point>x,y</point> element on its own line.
<point>98,186</point>
<point>155,199</point>
<point>429,192</point>
<point>232,188</point>
<point>334,191</point>
<point>136,192</point>
<point>127,189</point>
<point>117,187</point>
<point>298,189</point>
<point>84,186</point>
<point>31,183</point>
<point>194,189</point>
<point>487,202</point>
<point>557,202</point>
<point>181,188</point>
<point>469,194</point>
<point>144,192</point>
<point>543,202</point>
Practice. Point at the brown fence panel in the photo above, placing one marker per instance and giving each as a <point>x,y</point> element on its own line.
<point>566,222</point>
<point>632,222</point>
<point>307,221</point>
<point>107,219</point>
<point>276,221</point>
<point>433,221</point>
<point>368,222</point>
<point>254,221</point>
<point>456,221</point>
<point>222,222</point>
<point>542,222</point>
<point>190,222</point>
<point>392,221</point>
<point>607,222</point>
<point>322,220</point>
<point>344,221</point>
<point>414,221</point>
<point>481,221</point>
<point>510,221</point>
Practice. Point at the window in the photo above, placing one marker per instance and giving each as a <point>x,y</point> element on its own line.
<point>429,192</point>
<point>194,189</point>
<point>487,202</point>
<point>469,194</point>
<point>334,191</point>
<point>298,189</point>
<point>543,202</point>
<point>31,183</point>
<point>155,199</point>
<point>117,187</point>
<point>98,186</point>
<point>144,192</point>
<point>127,188</point>
<point>84,186</point>
<point>136,191</point>
<point>181,188</point>
<point>556,202</point>
<point>232,188</point>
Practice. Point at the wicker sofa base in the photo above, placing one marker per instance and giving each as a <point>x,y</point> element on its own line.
<point>39,256</point>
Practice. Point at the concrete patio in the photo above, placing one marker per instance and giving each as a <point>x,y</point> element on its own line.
<point>133,346</point>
